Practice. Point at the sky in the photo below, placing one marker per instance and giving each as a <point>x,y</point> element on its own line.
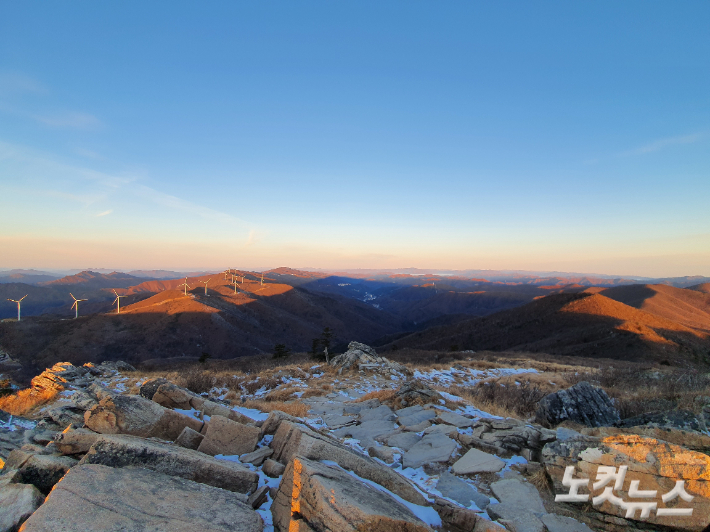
<point>568,136</point>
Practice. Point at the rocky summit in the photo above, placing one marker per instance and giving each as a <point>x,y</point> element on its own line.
<point>382,447</point>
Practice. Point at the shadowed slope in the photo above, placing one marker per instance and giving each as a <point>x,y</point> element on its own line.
<point>581,324</point>
<point>687,307</point>
<point>224,324</point>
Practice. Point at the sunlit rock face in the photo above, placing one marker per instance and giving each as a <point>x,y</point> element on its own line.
<point>656,465</point>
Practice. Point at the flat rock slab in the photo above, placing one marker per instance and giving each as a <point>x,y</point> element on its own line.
<point>519,493</point>
<point>416,417</point>
<point>462,492</point>
<point>334,421</point>
<point>431,448</point>
<point>327,498</point>
<point>408,411</point>
<point>522,519</point>
<point>99,498</point>
<point>457,420</point>
<point>356,408</point>
<point>449,430</point>
<point>558,523</point>
<point>257,457</point>
<point>124,451</point>
<point>367,431</point>
<point>419,427</point>
<point>475,461</point>
<point>404,440</point>
<point>382,412</point>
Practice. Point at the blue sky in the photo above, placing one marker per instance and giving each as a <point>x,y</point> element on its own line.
<point>546,135</point>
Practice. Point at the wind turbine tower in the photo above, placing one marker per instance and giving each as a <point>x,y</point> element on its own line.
<point>18,301</point>
<point>234,282</point>
<point>118,301</point>
<point>227,272</point>
<point>76,304</point>
<point>205,283</point>
<point>262,279</point>
<point>185,285</point>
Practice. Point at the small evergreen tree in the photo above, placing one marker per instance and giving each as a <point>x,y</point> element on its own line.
<point>325,337</point>
<point>281,351</point>
<point>315,353</point>
<point>203,357</point>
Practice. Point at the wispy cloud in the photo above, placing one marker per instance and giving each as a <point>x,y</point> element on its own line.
<point>71,120</point>
<point>16,83</point>
<point>664,143</point>
<point>105,213</point>
<point>173,202</point>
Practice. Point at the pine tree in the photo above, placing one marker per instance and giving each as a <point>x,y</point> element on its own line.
<point>281,351</point>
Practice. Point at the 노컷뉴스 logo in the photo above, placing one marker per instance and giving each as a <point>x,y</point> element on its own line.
<point>607,474</point>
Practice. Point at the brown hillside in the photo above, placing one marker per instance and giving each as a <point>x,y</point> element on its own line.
<point>681,305</point>
<point>704,287</point>
<point>582,324</point>
<point>221,323</point>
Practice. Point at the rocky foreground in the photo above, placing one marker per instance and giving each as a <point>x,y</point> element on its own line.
<point>101,458</point>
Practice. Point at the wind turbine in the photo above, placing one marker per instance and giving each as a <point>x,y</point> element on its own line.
<point>205,283</point>
<point>262,278</point>
<point>226,272</point>
<point>185,285</point>
<point>234,282</point>
<point>76,304</point>
<point>18,301</point>
<point>118,300</point>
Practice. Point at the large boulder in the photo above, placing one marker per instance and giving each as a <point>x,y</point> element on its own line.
<point>57,377</point>
<point>582,403</point>
<point>329,499</point>
<point>656,466</point>
<point>76,441</point>
<point>506,437</point>
<point>228,437</point>
<point>690,440</point>
<point>170,395</point>
<point>137,416</point>
<point>684,420</point>
<point>271,425</point>
<point>294,439</point>
<point>124,451</point>
<point>98,498</point>
<point>363,357</point>
<point>415,392</point>
<point>18,502</point>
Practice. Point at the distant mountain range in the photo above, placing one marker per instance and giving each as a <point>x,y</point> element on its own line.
<point>605,317</point>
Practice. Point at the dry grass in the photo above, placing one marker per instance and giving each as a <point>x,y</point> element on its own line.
<point>541,481</point>
<point>293,408</point>
<point>385,396</point>
<point>24,401</point>
<point>501,399</point>
<point>638,389</point>
<point>285,394</point>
